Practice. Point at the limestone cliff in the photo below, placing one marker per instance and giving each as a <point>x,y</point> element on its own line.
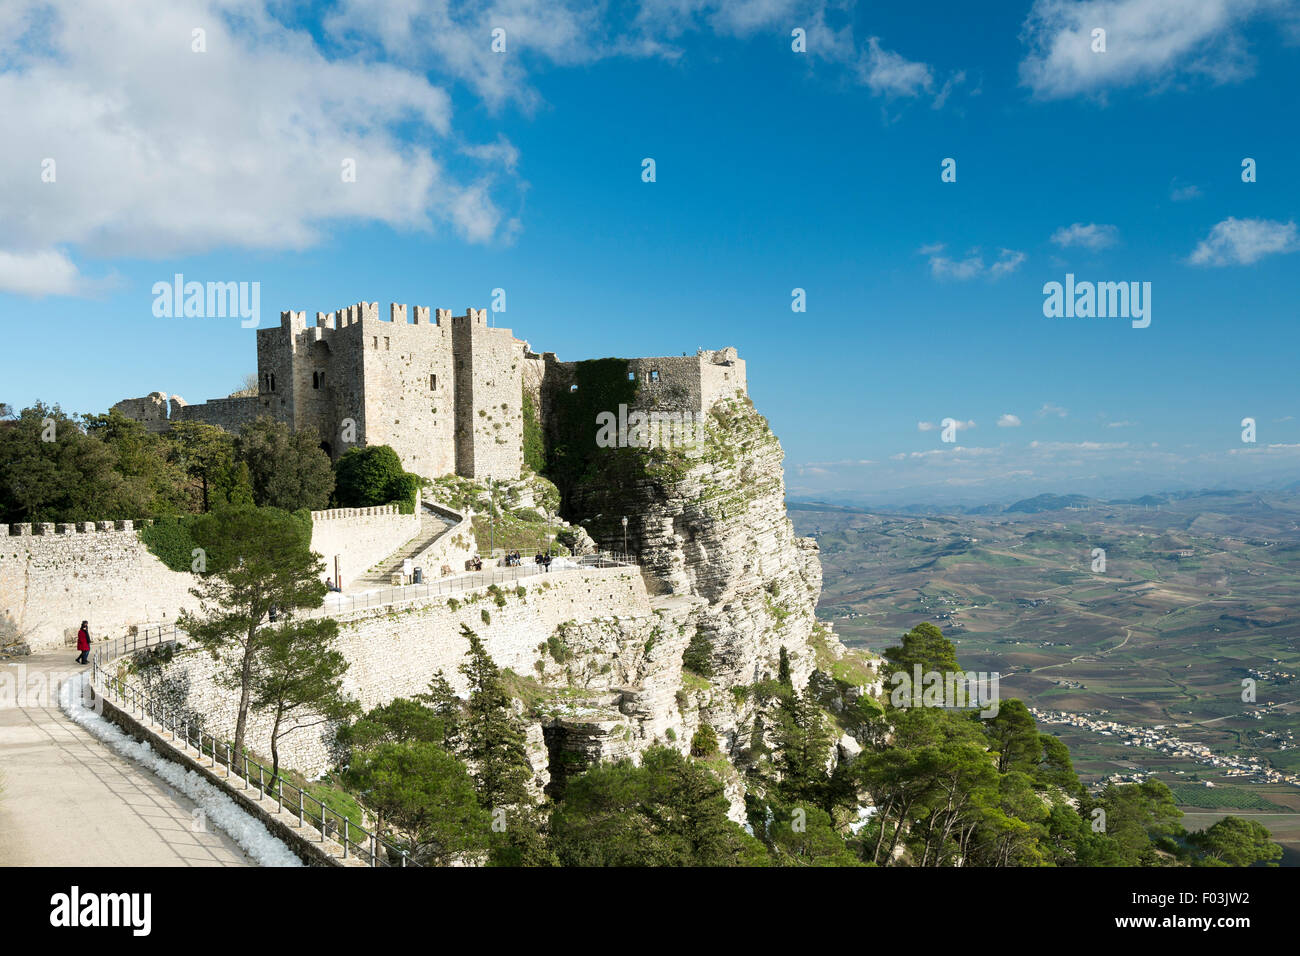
<point>732,584</point>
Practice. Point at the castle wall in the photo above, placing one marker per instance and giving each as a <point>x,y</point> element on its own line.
<point>101,572</point>
<point>410,389</point>
<point>150,411</point>
<point>232,414</point>
<point>489,426</point>
<point>52,577</point>
<point>395,653</point>
<point>360,537</point>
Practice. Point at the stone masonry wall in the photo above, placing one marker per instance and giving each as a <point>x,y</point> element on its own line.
<point>396,652</point>
<point>359,537</point>
<point>54,577</point>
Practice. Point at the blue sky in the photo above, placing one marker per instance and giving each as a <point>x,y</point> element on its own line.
<point>775,170</point>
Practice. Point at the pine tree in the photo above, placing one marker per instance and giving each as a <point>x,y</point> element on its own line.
<point>493,736</point>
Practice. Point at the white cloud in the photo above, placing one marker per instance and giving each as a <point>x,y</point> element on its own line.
<point>1009,421</point>
<point>891,74</point>
<point>1009,261</point>
<point>161,151</point>
<point>1184,192</point>
<point>885,72</point>
<point>1050,409</point>
<point>971,267</point>
<point>1125,424</point>
<point>47,272</point>
<point>455,40</point>
<point>1244,241</point>
<point>1090,236</point>
<point>1152,42</point>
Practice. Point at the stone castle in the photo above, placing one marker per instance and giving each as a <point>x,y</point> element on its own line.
<point>446,393</point>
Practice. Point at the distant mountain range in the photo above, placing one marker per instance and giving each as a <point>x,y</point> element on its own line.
<point>1034,505</point>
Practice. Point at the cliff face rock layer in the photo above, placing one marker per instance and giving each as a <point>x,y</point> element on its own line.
<point>735,584</point>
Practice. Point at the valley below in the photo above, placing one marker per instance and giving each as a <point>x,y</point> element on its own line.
<point>1132,629</point>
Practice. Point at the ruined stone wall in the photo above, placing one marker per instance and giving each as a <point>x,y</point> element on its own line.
<point>150,411</point>
<point>359,538</point>
<point>228,413</point>
<point>689,382</point>
<point>52,577</point>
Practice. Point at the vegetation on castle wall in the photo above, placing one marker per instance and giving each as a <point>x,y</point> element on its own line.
<point>534,443</point>
<point>597,485</point>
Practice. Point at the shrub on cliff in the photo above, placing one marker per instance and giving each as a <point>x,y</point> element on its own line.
<point>704,743</point>
<point>698,656</point>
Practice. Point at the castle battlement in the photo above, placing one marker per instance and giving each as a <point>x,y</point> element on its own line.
<point>45,529</point>
<point>445,391</point>
<point>339,514</point>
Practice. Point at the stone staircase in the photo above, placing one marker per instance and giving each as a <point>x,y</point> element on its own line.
<point>432,527</point>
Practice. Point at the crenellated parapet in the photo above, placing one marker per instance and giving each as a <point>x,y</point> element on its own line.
<point>50,529</point>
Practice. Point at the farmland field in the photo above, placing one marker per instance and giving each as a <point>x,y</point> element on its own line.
<point>1193,596</point>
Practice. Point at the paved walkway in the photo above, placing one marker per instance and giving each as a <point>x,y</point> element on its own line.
<point>66,799</point>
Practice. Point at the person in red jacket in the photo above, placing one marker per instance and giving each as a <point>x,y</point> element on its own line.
<point>83,643</point>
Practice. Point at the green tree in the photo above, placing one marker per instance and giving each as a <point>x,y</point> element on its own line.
<point>1135,815</point>
<point>1233,841</point>
<point>297,680</point>
<point>805,836</point>
<point>400,721</point>
<point>143,462</point>
<point>494,737</point>
<point>704,742</point>
<point>447,708</point>
<point>426,796</point>
<point>287,469</point>
<point>257,559</point>
<point>670,811</point>
<point>51,470</point>
<point>368,476</point>
<point>1013,736</point>
<point>1054,767</point>
<point>923,645</point>
<point>802,747</point>
<point>207,455</point>
<point>783,669</point>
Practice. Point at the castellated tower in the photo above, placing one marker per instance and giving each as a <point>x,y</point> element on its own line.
<point>445,394</point>
<point>489,396</point>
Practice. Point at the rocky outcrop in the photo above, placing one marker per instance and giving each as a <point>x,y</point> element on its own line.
<point>710,528</point>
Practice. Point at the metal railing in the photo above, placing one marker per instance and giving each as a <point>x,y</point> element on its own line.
<point>340,603</point>
<point>355,840</point>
